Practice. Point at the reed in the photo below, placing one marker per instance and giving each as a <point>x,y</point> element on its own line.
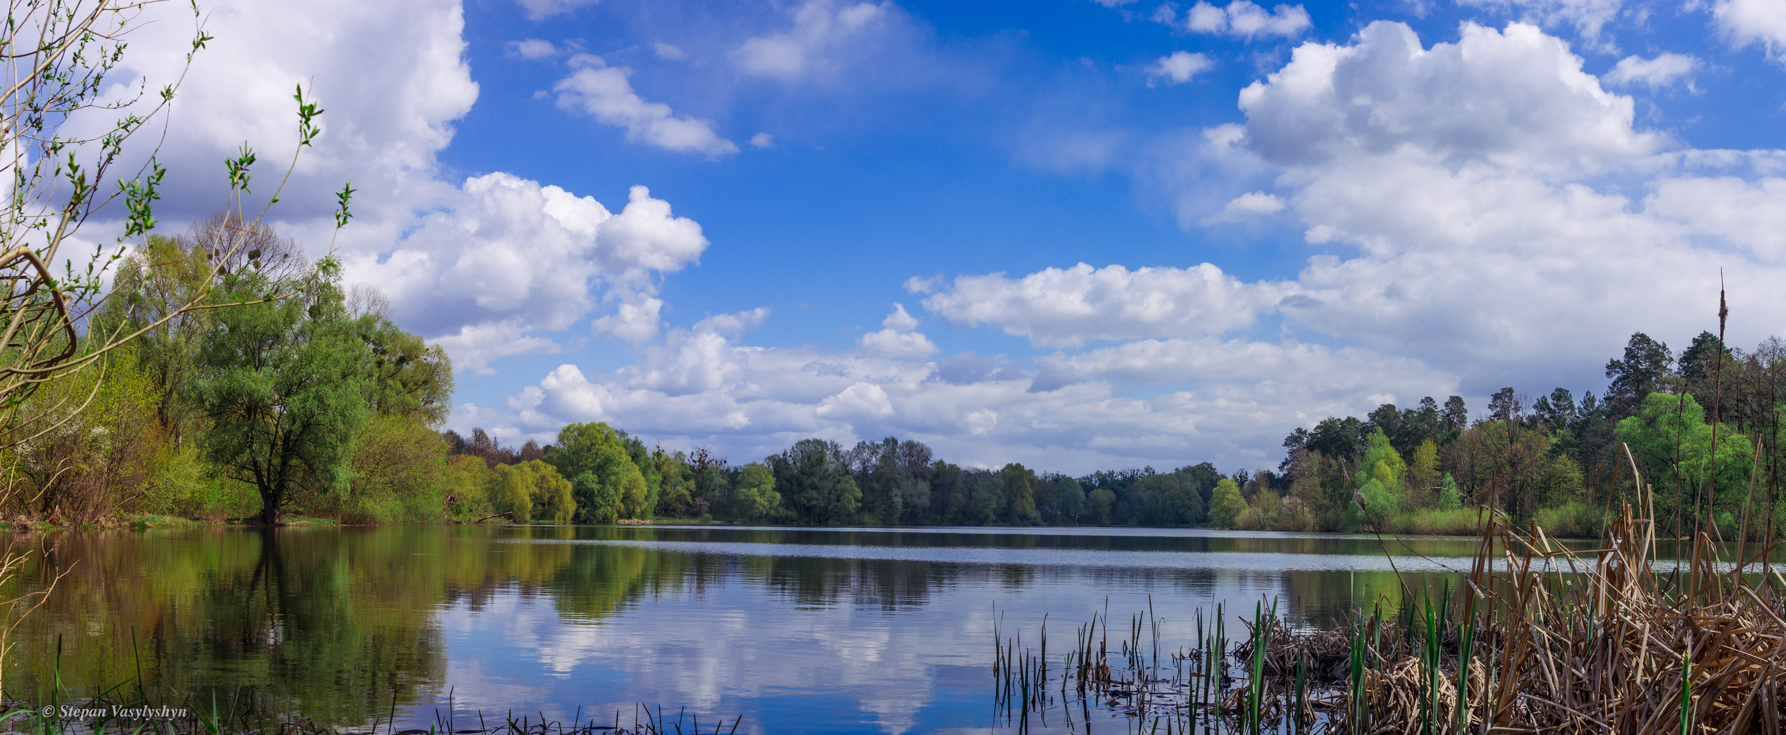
<point>1537,639</point>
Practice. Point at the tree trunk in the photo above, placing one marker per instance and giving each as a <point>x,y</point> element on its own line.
<point>269,505</point>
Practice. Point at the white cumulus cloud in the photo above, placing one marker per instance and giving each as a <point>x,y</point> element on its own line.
<point>1247,20</point>
<point>606,94</point>
<point>1516,97</point>
<point>898,336</point>
<point>1752,21</point>
<point>533,48</point>
<point>1069,307</point>
<point>1665,69</point>
<point>1177,68</point>
<point>1588,17</point>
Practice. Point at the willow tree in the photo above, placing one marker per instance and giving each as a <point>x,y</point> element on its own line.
<point>67,156</point>
<point>283,382</point>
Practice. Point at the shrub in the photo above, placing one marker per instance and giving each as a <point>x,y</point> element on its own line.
<point>1573,519</point>
<point>398,466</point>
<point>1226,506</point>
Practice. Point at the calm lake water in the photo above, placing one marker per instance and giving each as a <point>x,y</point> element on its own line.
<point>812,630</point>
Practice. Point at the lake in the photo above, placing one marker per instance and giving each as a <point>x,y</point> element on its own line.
<point>813,630</point>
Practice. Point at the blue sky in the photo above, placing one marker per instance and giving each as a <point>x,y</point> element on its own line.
<point>863,220</point>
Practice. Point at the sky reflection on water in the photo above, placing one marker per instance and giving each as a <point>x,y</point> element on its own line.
<point>812,630</point>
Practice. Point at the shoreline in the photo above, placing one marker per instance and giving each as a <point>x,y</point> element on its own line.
<point>168,522</point>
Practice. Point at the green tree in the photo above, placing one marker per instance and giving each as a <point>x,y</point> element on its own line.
<point>399,472</point>
<point>1382,463</point>
<point>1019,503</point>
<point>550,492</point>
<point>597,502</point>
<point>1174,504</point>
<point>282,383</point>
<point>1646,363</point>
<point>985,498</point>
<point>815,482</point>
<point>755,498</point>
<point>1673,443</point>
<point>1450,497</point>
<point>677,483</point>
<point>1070,498</point>
<point>1227,505</point>
<point>614,487</point>
<point>1424,470</point>
<point>1098,504</point>
<point>405,377</point>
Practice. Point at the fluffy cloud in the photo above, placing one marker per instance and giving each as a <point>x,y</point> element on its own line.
<point>1752,21</point>
<point>1588,17</point>
<point>1515,98</point>
<point>1177,68</point>
<point>1252,204</point>
<point>482,265</point>
<point>1661,71</point>
<point>1061,308</point>
<point>1244,19</point>
<point>824,37</point>
<point>606,94</point>
<point>1316,369</point>
<point>515,252</point>
<point>698,387</point>
<point>533,48</point>
<point>382,131</point>
<point>475,346</point>
<point>898,336</point>
<point>1471,178</point>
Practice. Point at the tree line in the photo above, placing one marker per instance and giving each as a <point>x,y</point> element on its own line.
<point>302,398</point>
<point>1429,468</point>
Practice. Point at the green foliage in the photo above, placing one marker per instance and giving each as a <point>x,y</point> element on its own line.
<point>643,503</point>
<point>815,483</point>
<point>282,383</point>
<point>180,483</point>
<point>1424,469</point>
<point>1174,502</point>
<point>510,494</point>
<point>1383,464</point>
<point>1672,442</point>
<point>532,491</point>
<point>1069,498</point>
<point>755,497</point>
<point>677,483</point>
<point>97,445</point>
<point>551,493</point>
<point>405,376</point>
<point>1098,504</point>
<point>1227,505</point>
<point>1450,497</point>
<point>1379,501</point>
<point>597,502</point>
<point>1434,522</point>
<point>1019,503</point>
<point>985,494</point>
<point>465,486</point>
<point>399,472</point>
<point>615,488</point>
<point>1573,519</point>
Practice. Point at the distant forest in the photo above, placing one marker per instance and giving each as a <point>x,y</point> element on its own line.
<point>1430,468</point>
